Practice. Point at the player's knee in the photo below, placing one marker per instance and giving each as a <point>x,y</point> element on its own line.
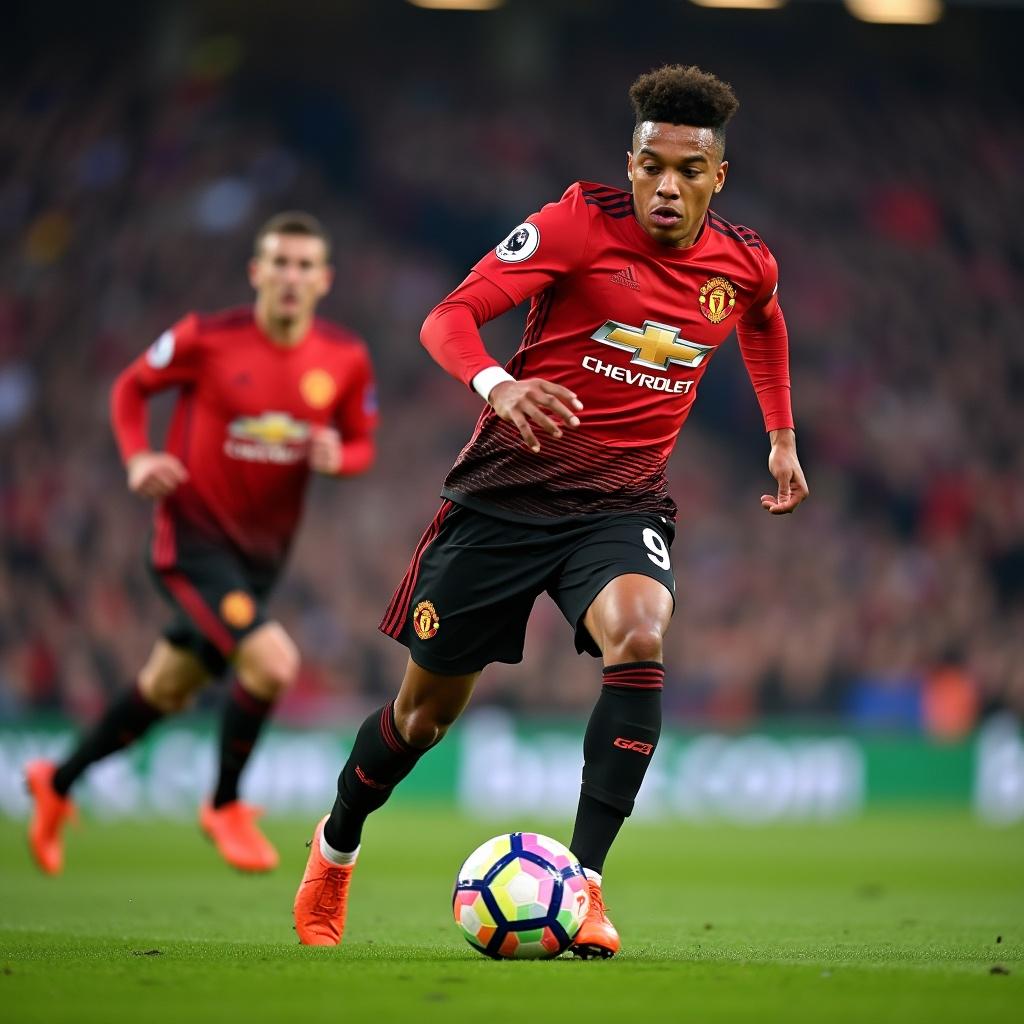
<point>268,662</point>
<point>636,642</point>
<point>168,692</point>
<point>424,726</point>
<point>272,675</point>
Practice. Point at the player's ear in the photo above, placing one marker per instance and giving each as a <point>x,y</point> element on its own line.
<point>254,273</point>
<point>723,170</point>
<point>629,164</point>
<point>327,279</point>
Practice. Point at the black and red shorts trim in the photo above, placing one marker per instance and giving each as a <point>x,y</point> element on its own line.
<point>398,610</point>
<point>218,598</point>
<point>465,600</point>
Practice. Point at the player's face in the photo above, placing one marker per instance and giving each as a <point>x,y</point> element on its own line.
<point>675,170</point>
<point>290,275</point>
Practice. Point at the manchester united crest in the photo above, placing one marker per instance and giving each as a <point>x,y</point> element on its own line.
<point>717,299</point>
<point>425,620</point>
<point>237,609</point>
<point>318,388</point>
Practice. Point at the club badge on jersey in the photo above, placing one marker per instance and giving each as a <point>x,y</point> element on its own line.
<point>717,299</point>
<point>318,388</point>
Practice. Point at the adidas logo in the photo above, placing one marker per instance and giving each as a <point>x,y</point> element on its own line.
<point>626,277</point>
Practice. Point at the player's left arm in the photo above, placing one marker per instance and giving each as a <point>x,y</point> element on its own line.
<point>348,448</point>
<point>764,345</point>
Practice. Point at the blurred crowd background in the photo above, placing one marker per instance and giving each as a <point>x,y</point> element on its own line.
<point>141,146</point>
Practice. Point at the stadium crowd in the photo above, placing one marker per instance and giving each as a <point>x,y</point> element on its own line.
<point>893,598</point>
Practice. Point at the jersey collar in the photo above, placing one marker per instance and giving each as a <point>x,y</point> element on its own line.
<point>668,252</point>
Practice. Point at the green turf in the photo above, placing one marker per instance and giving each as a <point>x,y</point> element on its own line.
<point>893,918</point>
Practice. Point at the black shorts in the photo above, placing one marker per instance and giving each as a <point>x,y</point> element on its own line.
<point>218,597</point>
<point>467,595</point>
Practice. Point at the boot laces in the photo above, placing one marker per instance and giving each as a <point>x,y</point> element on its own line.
<point>596,900</point>
<point>331,897</point>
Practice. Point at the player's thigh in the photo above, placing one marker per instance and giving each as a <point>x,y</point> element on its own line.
<point>467,596</point>
<point>628,619</point>
<point>617,580</point>
<point>429,702</point>
<point>267,661</point>
<point>171,675</point>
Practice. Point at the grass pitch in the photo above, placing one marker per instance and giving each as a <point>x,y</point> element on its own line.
<point>897,917</point>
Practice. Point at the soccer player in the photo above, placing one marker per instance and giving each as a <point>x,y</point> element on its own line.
<point>631,295</point>
<point>267,394</point>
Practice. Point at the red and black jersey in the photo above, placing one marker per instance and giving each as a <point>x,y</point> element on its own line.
<point>242,424</point>
<point>630,326</point>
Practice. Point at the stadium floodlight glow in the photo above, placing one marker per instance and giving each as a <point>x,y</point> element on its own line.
<point>896,12</point>
<point>458,5</point>
<point>742,5</point>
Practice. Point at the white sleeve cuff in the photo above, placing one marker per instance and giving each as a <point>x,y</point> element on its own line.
<point>485,380</point>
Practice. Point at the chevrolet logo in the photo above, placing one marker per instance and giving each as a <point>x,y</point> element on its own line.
<point>270,428</point>
<point>653,346</point>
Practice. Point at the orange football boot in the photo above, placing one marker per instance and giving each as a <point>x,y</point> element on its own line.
<point>49,812</point>
<point>234,832</point>
<point>322,899</point>
<point>597,936</point>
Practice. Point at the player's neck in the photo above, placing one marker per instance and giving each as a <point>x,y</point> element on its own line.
<point>285,333</point>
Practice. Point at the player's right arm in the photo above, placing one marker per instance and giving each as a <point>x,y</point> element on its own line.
<point>171,361</point>
<point>549,245</point>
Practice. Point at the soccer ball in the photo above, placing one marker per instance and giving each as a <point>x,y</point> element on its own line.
<point>520,897</point>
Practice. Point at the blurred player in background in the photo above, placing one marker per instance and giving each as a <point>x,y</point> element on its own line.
<point>631,295</point>
<point>267,394</point>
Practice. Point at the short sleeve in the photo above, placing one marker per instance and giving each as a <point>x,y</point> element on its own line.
<point>548,245</point>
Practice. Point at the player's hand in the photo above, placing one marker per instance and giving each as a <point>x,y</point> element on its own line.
<point>325,450</point>
<point>785,467</point>
<point>523,401</point>
<point>155,474</point>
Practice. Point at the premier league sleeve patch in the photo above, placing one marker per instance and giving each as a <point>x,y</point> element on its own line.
<point>520,245</point>
<point>161,352</point>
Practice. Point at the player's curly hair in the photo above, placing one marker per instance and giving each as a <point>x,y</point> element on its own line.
<point>680,94</point>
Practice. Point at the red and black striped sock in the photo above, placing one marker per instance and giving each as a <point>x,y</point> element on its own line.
<point>380,759</point>
<point>244,717</point>
<point>124,721</point>
<point>621,737</point>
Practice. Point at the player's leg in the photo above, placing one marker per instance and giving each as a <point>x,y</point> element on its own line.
<point>266,666</point>
<point>463,603</point>
<point>617,587</point>
<point>387,746</point>
<point>222,618</point>
<point>627,620</point>
<point>165,685</point>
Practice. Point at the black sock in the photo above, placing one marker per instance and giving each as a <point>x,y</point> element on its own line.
<point>124,721</point>
<point>380,759</point>
<point>621,736</point>
<point>243,720</point>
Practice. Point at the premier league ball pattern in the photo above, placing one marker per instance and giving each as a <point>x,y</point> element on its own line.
<point>520,897</point>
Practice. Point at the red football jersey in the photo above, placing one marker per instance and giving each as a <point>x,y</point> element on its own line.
<point>630,326</point>
<point>242,424</point>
